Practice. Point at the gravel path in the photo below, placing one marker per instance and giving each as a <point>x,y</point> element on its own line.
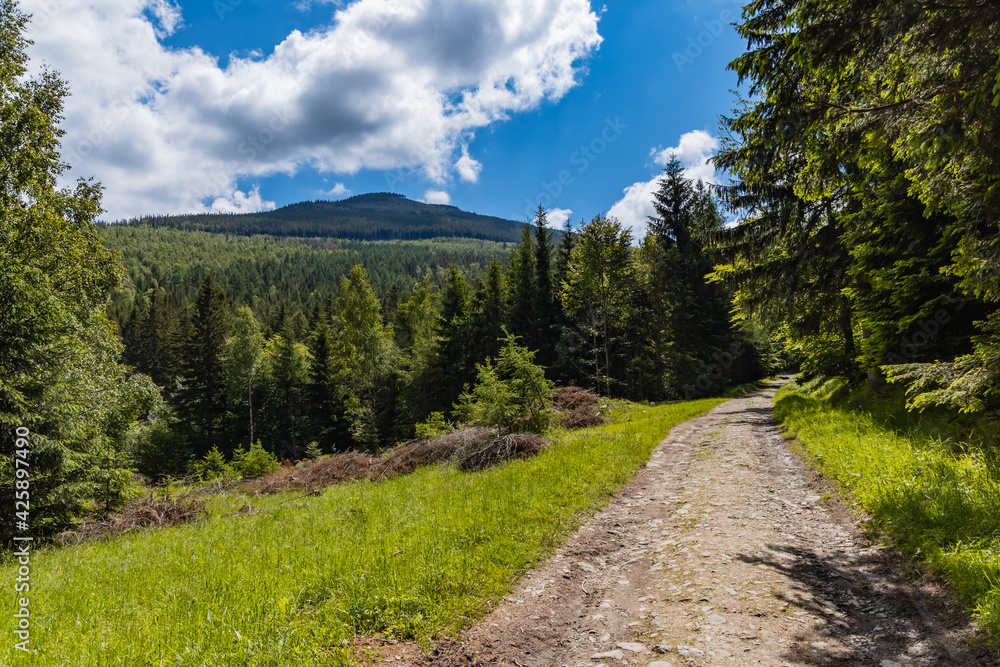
<point>724,550</point>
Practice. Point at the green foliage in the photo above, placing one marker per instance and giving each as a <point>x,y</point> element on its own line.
<point>510,395</point>
<point>434,426</point>
<point>313,450</point>
<point>418,557</point>
<point>597,291</point>
<point>201,396</point>
<point>366,356</point>
<point>156,449</point>
<point>256,462</point>
<point>286,364</point>
<point>59,371</point>
<point>212,466</point>
<point>868,168</point>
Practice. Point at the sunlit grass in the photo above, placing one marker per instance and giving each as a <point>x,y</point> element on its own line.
<point>415,557</point>
<point>926,481</point>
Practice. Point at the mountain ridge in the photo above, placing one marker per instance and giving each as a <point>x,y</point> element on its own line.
<point>377,216</point>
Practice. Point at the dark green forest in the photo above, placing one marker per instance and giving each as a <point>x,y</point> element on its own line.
<point>380,216</point>
<point>863,165</point>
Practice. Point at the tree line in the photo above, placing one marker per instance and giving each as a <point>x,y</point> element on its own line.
<point>866,161</point>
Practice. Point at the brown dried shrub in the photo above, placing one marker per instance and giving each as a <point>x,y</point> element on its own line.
<point>311,475</point>
<point>408,457</point>
<point>470,448</point>
<point>148,512</point>
<point>578,407</point>
<point>498,450</point>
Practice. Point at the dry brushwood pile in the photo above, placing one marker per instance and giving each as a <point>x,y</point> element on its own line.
<point>577,407</point>
<point>469,448</point>
<point>149,512</point>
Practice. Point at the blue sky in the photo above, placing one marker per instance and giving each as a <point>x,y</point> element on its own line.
<point>494,107</point>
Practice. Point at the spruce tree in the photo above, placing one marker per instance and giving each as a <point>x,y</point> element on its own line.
<point>202,395</point>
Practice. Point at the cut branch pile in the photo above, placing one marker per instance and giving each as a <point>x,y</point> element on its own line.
<point>149,512</point>
<point>577,407</point>
<point>469,448</point>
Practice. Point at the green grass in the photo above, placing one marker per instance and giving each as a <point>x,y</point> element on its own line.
<point>415,557</point>
<point>928,481</point>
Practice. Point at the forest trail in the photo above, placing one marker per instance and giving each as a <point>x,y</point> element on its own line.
<point>724,550</point>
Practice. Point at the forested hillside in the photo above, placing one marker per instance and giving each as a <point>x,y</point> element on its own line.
<point>274,275</point>
<point>371,217</point>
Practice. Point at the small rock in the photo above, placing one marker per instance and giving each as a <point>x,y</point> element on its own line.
<point>662,648</point>
<point>889,663</point>
<point>715,619</point>
<point>690,651</point>
<point>731,591</point>
<point>661,663</point>
<point>586,567</point>
<point>609,655</point>
<point>634,647</point>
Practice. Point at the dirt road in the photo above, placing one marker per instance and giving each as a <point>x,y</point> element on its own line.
<point>724,550</point>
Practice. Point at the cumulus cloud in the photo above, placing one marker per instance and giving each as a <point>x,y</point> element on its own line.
<point>241,202</point>
<point>387,85</point>
<point>557,217</point>
<point>468,168</point>
<point>436,197</point>
<point>694,151</point>
<point>338,190</point>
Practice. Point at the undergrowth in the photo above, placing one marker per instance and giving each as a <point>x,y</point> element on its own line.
<point>295,580</point>
<point>929,480</point>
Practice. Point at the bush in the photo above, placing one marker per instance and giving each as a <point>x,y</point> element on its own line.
<point>511,395</point>
<point>313,450</point>
<point>433,427</point>
<point>254,463</point>
<point>213,466</point>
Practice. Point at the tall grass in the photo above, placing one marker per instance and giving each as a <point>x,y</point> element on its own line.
<point>928,481</point>
<point>414,557</point>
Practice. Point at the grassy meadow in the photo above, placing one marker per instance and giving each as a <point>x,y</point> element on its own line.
<point>415,557</point>
<point>931,483</point>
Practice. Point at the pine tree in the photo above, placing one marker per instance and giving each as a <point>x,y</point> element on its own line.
<point>323,406</point>
<point>545,307</point>
<point>288,374</point>
<point>521,282</point>
<point>202,396</point>
<point>597,292</point>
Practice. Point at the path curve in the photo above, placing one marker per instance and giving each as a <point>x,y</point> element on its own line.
<point>723,550</point>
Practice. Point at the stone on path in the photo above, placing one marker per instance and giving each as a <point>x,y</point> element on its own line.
<point>612,655</point>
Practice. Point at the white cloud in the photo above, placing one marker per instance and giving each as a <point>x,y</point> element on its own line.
<point>240,202</point>
<point>338,190</point>
<point>388,85</point>
<point>557,217</point>
<point>436,197</point>
<point>694,151</point>
<point>468,168</point>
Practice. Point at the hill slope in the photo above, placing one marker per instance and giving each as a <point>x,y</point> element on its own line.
<point>370,217</point>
